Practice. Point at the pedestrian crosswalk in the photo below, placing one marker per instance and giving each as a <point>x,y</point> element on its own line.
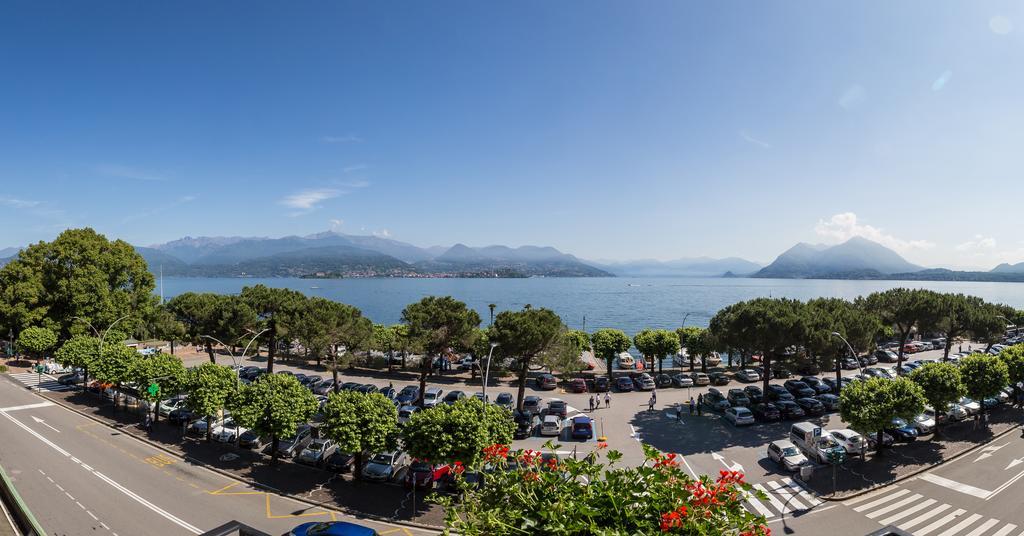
<point>783,496</point>
<point>923,516</point>
<point>44,382</point>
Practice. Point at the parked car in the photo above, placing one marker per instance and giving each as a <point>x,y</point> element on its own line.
<point>852,442</point>
<point>324,387</point>
<point>582,427</point>
<point>331,528</point>
<point>886,355</point>
<point>453,397</point>
<point>350,386</point>
<point>251,440</point>
<point>699,378</point>
<point>778,393</point>
<point>557,407</point>
<point>682,380</point>
<point>198,426</point>
<point>384,466</point>
<point>719,378</point>
<point>317,451</point>
<point>340,462</point>
<point>181,415</point>
<point>408,395</point>
<point>715,400</point>
<point>531,404</point>
<point>815,383</point>
<point>432,397</point>
<point>868,360</point>
<point>291,446</point>
<point>879,372</point>
<point>811,406</point>
<point>901,430</point>
<point>423,474</point>
<point>789,409</point>
<point>830,401</point>
<point>850,363</point>
<point>623,384</point>
<point>663,381</point>
<point>546,382</point>
<point>781,372</point>
<point>739,416</point>
<point>577,385</point>
<point>601,384</point>
<point>228,431</point>
<point>754,393</point>
<point>786,454</point>
<point>970,405</point>
<point>551,426</point>
<point>525,422</point>
<point>766,412</point>
<point>799,389</point>
<point>406,412</point>
<point>167,406</point>
<point>738,397</point>
<point>887,440</point>
<point>747,375</point>
<point>74,378</point>
<point>924,423</point>
<point>505,400</point>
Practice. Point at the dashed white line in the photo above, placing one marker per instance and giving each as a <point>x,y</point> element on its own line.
<point>58,486</point>
<point>69,495</point>
<point>94,518</point>
<point>104,525</point>
<point>80,505</point>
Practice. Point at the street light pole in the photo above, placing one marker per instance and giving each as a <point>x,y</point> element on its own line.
<point>487,370</point>
<point>839,372</point>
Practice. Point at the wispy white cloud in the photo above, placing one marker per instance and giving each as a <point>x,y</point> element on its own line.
<point>383,233</point>
<point>14,202</point>
<point>354,184</point>
<point>942,80</point>
<point>305,201</point>
<point>750,139</point>
<point>341,139</point>
<point>978,243</point>
<point>844,226</point>
<point>853,96</point>
<point>127,172</point>
<point>1000,25</point>
<point>353,169</point>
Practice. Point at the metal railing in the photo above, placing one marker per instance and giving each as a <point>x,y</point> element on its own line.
<point>22,517</point>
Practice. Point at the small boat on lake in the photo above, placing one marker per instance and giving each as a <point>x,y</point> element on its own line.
<point>626,361</point>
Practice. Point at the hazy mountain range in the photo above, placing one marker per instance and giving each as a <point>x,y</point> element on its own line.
<point>686,267</point>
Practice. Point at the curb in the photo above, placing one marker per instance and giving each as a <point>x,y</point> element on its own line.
<point>248,482</point>
<point>922,469</point>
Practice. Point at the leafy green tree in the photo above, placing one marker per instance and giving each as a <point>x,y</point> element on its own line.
<point>457,432</point>
<point>360,424</point>
<point>114,365</point>
<point>384,340</point>
<point>208,387</point>
<point>525,335</point>
<point>608,343</point>
<point>825,316</point>
<point>273,406</point>
<point>163,324</point>
<point>870,406</point>
<point>198,314</point>
<point>80,351</point>
<point>277,308</point>
<point>562,357</point>
<point>769,325</point>
<point>234,320</point>
<point>905,310</point>
<point>439,325</point>
<point>655,344</point>
<point>79,275</point>
<point>164,370</point>
<point>598,495</point>
<point>987,325</point>
<point>1013,357</point>
<point>957,314</point>
<point>941,384</point>
<point>36,341</point>
<point>580,339</point>
<point>984,376</point>
<point>317,325</point>
<point>354,333</point>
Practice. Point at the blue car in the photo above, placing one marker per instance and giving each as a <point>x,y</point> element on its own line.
<point>331,528</point>
<point>582,427</point>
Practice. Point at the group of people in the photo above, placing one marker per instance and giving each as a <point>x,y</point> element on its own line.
<point>595,401</point>
<point>693,405</point>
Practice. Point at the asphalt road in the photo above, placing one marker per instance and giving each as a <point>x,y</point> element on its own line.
<point>80,477</point>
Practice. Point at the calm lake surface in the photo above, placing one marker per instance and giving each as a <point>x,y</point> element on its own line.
<point>629,304</point>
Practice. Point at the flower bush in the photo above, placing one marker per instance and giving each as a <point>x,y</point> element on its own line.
<point>527,492</point>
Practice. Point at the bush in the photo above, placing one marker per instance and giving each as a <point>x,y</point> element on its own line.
<point>3,369</point>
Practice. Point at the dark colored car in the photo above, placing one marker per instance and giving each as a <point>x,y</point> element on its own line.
<point>778,392</point>
<point>902,431</point>
<point>738,397</point>
<point>582,427</point>
<point>623,384</point>
<point>760,372</point>
<point>577,385</point>
<point>780,372</point>
<point>811,406</point>
<point>663,381</point>
<point>829,400</point>
<point>886,355</point>
<point>754,393</point>
<point>719,378</point>
<point>366,388</point>
<point>408,395</point>
<point>251,440</point>
<point>868,360</point>
<point>453,397</point>
<point>558,407</point>
<point>766,412</point>
<point>505,400</point>
<point>833,386</point>
<point>601,384</point>
<point>181,415</point>
<point>389,392</point>
<point>423,474</point>
<point>340,462</point>
<point>531,405</point>
<point>851,364</point>
<point>789,409</point>
<point>815,383</point>
<point>350,386</point>
<point>546,382</point>
<point>331,528</point>
<point>524,425</point>
<point>799,389</point>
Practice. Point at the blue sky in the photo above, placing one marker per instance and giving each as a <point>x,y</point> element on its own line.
<point>611,130</point>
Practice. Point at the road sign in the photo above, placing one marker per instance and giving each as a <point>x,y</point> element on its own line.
<point>153,389</point>
<point>40,369</point>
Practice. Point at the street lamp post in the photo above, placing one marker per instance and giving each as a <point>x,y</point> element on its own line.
<point>1016,328</point>
<point>839,371</point>
<point>487,370</point>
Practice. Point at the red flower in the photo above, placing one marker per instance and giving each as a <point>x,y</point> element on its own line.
<point>459,468</point>
<point>602,445</point>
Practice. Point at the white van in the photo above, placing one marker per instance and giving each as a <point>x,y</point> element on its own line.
<point>431,397</point>
<point>552,426</point>
<point>803,434</point>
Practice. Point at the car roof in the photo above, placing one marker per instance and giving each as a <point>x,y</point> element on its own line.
<point>581,419</point>
<point>548,418</point>
<point>783,443</point>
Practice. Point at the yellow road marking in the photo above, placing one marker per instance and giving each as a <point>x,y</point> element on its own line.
<point>392,531</point>
<point>307,514</point>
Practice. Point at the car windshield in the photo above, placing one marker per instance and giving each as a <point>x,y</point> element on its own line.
<point>317,445</point>
<point>790,451</point>
<point>922,417</point>
<point>504,397</point>
<point>382,459</point>
<point>898,422</point>
<point>409,390</point>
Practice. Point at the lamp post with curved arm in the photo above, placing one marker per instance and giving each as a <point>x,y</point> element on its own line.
<point>487,370</point>
<point>839,369</point>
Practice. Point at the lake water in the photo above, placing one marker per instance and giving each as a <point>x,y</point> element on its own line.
<point>629,304</point>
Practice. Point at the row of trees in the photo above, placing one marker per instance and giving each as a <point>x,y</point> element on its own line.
<point>870,406</point>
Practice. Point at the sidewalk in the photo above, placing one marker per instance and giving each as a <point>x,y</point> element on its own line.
<point>857,476</point>
<point>389,502</point>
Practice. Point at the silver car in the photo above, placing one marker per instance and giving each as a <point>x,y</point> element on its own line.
<point>787,455</point>
<point>317,451</point>
<point>385,466</point>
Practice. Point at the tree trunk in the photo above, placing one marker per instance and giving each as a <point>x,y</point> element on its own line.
<point>156,412</point>
<point>425,367</point>
<point>703,364</point>
<point>904,335</point>
<point>692,364</point>
<point>522,386</point>
<point>85,380</point>
<point>209,351</point>
<point>172,347</point>
<point>949,346</point>
<point>989,347</point>
<point>271,344</point>
<point>878,439</point>
<point>391,355</point>
<point>609,361</point>
<point>209,427</point>
<point>405,354</point>
<point>357,473</point>
<point>661,365</point>
<point>274,444</point>
<point>334,375</point>
<point>766,362</point>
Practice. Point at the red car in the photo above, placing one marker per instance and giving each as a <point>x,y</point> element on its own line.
<point>577,385</point>
<point>424,474</point>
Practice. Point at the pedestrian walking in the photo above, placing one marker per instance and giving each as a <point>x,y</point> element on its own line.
<point>591,402</point>
<point>654,395</point>
<point>699,410</point>
<point>650,403</point>
<point>700,399</point>
<point>607,400</point>
<point>149,423</point>
<point>691,405</point>
<point>679,413</point>
<point>961,349</point>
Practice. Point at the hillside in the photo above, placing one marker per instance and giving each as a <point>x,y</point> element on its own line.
<point>1006,268</point>
<point>855,256</point>
<point>695,267</point>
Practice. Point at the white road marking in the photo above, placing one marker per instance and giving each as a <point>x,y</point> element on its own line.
<point>893,506</point>
<point>960,526</point>
<point>106,479</point>
<point>1005,530</point>
<point>941,523</point>
<point>69,495</point>
<point>104,525</point>
<point>687,464</point>
<point>885,499</point>
<point>42,422</point>
<point>94,518</point>
<point>771,499</point>
<point>80,505</point>
<point>913,509</point>
<point>866,496</point>
<point>923,517</point>
<point>801,491</point>
<point>1004,486</point>
<point>955,486</point>
<point>787,497</point>
<point>756,503</point>
<point>983,527</point>
<point>27,406</point>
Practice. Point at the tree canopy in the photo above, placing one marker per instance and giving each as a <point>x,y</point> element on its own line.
<point>905,310</point>
<point>164,370</point>
<point>524,335</point>
<point>1013,358</point>
<point>274,405</point>
<point>277,309</point>
<point>983,375</point>
<point>941,384</point>
<point>457,432</point>
<point>869,406</point>
<point>208,387</point>
<point>439,324</point>
<point>36,341</point>
<point>655,344</point>
<point>360,424</point>
<point>609,343</point>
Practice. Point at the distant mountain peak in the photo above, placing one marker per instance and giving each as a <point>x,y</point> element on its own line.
<point>857,254</point>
